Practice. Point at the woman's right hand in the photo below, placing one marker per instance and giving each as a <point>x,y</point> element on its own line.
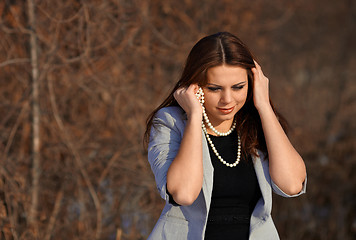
<point>188,101</point>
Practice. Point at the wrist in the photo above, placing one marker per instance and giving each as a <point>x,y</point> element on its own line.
<point>195,116</point>
<point>264,108</point>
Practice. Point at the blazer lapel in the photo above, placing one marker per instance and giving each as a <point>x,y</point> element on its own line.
<point>208,172</point>
<point>264,205</point>
<point>262,172</point>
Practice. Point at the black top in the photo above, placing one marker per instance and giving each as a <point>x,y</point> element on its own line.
<point>235,192</point>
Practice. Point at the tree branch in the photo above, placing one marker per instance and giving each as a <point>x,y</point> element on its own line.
<point>14,61</point>
<point>54,215</point>
<point>36,171</point>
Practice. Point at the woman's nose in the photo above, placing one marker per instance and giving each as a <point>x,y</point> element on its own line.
<point>226,97</point>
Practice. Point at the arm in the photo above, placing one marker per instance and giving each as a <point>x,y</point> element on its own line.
<point>185,174</point>
<point>287,168</point>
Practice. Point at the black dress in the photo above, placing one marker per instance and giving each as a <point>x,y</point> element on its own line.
<point>235,192</point>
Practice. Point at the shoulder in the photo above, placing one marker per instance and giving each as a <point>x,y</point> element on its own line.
<point>167,128</point>
<point>169,121</point>
<point>169,115</point>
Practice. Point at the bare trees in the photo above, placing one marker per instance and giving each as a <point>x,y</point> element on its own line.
<point>77,172</point>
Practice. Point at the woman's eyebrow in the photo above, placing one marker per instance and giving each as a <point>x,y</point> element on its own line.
<point>216,85</point>
<point>240,83</point>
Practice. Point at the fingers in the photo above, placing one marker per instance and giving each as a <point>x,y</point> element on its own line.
<point>186,98</point>
<point>186,92</point>
<point>178,92</point>
<point>193,88</point>
<point>260,87</point>
<point>257,71</point>
<point>258,67</point>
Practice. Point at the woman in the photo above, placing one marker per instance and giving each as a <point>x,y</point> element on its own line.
<point>217,148</point>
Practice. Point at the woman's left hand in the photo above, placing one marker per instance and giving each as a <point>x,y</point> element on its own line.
<point>260,88</point>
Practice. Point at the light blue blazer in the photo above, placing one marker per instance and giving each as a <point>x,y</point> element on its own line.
<point>189,222</point>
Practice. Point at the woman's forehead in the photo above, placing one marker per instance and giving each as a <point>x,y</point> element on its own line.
<point>226,74</point>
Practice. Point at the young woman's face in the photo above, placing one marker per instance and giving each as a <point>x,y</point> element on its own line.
<point>225,93</point>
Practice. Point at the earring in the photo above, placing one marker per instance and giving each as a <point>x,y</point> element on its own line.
<point>200,95</point>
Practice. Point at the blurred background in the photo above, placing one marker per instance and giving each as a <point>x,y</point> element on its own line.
<point>79,77</point>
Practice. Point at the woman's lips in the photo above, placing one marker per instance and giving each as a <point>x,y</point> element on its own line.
<point>226,110</point>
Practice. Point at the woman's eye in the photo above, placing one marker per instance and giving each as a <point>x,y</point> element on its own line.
<point>238,87</point>
<point>213,89</point>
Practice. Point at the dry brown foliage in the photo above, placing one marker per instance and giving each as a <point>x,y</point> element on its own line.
<point>100,67</point>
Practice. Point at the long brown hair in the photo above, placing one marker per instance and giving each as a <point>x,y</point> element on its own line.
<point>214,50</point>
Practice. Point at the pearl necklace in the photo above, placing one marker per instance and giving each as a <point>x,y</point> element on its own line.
<point>200,96</point>
<point>216,151</point>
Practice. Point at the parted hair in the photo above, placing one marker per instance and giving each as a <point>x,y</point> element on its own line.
<point>222,48</point>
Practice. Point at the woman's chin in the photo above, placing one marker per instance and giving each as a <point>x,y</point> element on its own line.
<point>223,118</point>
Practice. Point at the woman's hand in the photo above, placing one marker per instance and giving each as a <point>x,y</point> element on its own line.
<point>260,88</point>
<point>188,101</point>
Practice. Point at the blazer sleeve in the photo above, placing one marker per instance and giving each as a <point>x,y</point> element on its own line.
<point>165,138</point>
<point>280,192</point>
